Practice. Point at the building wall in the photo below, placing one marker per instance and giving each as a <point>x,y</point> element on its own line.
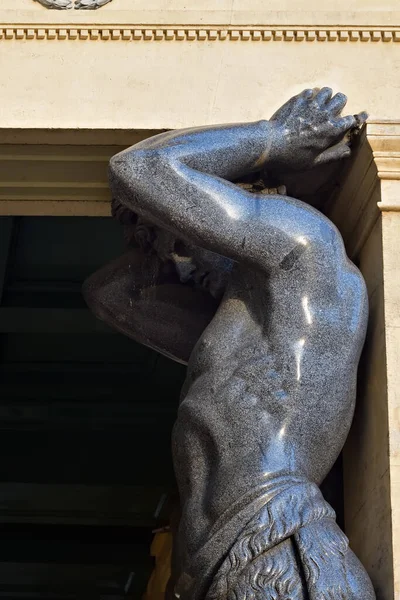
<point>128,66</point>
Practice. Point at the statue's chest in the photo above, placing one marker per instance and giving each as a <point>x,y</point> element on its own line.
<point>231,340</point>
<point>239,324</point>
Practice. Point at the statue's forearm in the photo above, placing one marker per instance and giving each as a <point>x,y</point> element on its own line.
<point>181,180</point>
<point>228,151</point>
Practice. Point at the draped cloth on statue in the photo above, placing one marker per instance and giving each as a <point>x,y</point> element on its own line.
<point>290,539</point>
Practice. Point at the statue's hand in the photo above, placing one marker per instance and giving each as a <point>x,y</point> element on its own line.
<point>309,130</point>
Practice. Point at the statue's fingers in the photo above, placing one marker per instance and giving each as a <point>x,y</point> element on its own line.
<point>361,118</point>
<point>337,104</point>
<point>323,96</point>
<point>344,124</point>
<point>333,154</point>
<point>307,94</point>
<point>286,109</point>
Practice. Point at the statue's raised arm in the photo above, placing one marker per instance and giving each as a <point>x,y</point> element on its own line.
<point>182,179</point>
<point>271,382</point>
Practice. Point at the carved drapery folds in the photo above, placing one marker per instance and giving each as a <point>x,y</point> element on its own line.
<point>74,4</point>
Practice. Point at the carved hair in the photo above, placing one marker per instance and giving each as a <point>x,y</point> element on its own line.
<point>194,266</point>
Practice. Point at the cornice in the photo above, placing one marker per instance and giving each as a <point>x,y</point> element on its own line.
<point>77,161</point>
<point>77,186</point>
<point>199,33</point>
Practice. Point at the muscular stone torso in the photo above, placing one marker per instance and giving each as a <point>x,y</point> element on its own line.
<point>253,376</point>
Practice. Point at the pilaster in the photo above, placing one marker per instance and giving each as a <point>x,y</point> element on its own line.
<point>367,211</point>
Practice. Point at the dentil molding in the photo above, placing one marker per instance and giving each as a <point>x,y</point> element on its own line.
<point>192,33</point>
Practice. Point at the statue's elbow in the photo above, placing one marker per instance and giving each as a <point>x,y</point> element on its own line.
<point>125,170</point>
<point>123,165</point>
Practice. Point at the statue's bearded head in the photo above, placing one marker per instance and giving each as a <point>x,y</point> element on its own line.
<point>194,266</point>
<point>162,292</point>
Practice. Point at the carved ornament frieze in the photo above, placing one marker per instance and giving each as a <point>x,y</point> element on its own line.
<point>73,4</point>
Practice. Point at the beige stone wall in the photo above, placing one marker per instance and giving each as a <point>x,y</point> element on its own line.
<point>391,271</point>
<point>232,6</point>
<point>319,10</point>
<point>128,66</point>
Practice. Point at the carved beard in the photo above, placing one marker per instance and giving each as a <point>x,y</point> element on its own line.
<point>194,266</point>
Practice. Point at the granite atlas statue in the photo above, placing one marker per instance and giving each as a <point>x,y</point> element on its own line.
<point>253,290</point>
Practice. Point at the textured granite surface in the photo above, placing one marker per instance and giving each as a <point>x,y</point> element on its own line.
<point>271,381</point>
